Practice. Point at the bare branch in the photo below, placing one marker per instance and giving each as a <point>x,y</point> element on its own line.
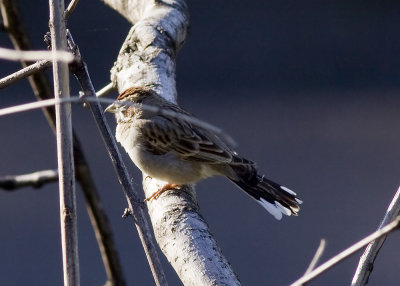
<point>68,211</point>
<point>347,252</point>
<point>24,73</point>
<point>71,8</point>
<point>38,104</point>
<point>184,237</point>
<point>16,55</point>
<point>366,262</point>
<point>36,180</point>
<point>136,206</point>
<point>105,90</point>
<point>317,256</point>
<point>131,10</point>
<point>100,223</point>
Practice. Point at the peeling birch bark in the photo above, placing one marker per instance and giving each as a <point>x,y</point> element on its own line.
<point>147,59</point>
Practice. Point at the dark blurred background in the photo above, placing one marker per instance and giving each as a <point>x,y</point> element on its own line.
<point>307,88</point>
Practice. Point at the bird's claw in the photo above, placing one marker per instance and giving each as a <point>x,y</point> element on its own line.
<point>166,187</point>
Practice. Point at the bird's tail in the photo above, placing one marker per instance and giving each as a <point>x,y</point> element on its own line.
<point>276,199</point>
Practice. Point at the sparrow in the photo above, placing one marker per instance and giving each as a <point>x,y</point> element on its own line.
<point>169,147</point>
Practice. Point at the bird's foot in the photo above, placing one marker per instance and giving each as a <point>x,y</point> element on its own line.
<point>164,188</point>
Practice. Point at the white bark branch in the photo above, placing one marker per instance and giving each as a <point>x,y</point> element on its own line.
<point>105,90</point>
<point>366,263</point>
<point>147,59</point>
<point>68,212</point>
<point>35,179</point>
<point>16,55</point>
<point>71,7</point>
<point>185,239</point>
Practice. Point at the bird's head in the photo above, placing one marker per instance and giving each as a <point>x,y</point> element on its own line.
<point>131,95</point>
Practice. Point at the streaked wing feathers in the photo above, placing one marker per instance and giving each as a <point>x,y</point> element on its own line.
<point>191,143</point>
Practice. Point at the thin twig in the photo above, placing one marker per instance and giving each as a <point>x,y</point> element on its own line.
<point>35,179</point>
<point>68,210</point>
<point>136,205</point>
<point>38,104</point>
<point>347,252</point>
<point>317,256</point>
<point>38,67</point>
<point>366,262</point>
<point>16,55</point>
<point>71,8</point>
<point>24,73</point>
<point>105,90</point>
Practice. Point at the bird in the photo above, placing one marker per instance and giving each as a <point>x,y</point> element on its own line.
<point>164,143</point>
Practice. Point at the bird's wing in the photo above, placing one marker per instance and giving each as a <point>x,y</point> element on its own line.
<point>164,134</point>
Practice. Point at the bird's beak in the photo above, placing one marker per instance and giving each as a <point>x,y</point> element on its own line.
<point>111,108</point>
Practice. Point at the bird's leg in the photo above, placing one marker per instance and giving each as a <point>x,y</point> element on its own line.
<point>164,188</point>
